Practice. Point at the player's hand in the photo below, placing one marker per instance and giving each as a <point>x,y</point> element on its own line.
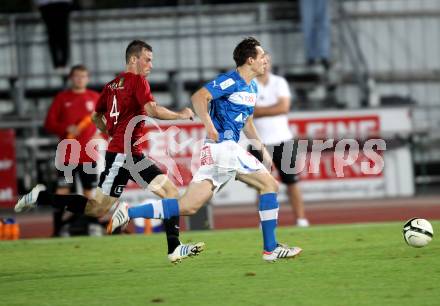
<point>211,133</point>
<point>186,113</point>
<point>72,130</point>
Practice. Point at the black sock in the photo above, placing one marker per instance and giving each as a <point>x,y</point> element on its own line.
<point>72,202</point>
<point>172,231</point>
<point>57,221</point>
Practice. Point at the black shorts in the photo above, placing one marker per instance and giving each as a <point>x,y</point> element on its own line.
<point>292,147</point>
<point>119,168</point>
<point>88,180</point>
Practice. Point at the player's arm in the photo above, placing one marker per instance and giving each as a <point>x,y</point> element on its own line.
<point>147,101</point>
<point>251,133</point>
<point>281,107</point>
<point>98,116</point>
<point>99,120</point>
<point>156,111</point>
<point>200,100</point>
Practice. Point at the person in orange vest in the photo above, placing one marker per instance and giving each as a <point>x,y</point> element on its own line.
<point>69,117</point>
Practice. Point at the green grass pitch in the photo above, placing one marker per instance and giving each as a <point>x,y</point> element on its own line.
<point>341,265</point>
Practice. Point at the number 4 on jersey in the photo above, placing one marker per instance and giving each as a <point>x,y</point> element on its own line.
<point>114,111</point>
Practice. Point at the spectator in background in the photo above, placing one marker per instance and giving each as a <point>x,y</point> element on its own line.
<point>315,22</point>
<point>69,117</point>
<point>55,14</point>
<point>270,113</point>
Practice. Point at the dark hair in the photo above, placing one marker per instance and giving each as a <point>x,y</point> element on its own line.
<point>135,48</point>
<point>245,49</point>
<point>79,67</point>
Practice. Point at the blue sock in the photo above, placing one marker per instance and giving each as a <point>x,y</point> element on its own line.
<point>161,209</point>
<point>141,211</point>
<point>170,208</point>
<point>268,210</point>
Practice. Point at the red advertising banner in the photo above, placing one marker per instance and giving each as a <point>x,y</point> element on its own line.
<point>349,127</point>
<point>336,173</point>
<point>8,169</point>
<point>175,147</point>
<point>361,126</point>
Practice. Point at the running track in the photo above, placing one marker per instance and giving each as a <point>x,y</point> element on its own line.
<point>39,224</point>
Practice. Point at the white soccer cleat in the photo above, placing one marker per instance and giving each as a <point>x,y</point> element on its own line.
<point>282,251</point>
<point>29,200</point>
<point>119,218</point>
<point>186,250</point>
<point>302,222</point>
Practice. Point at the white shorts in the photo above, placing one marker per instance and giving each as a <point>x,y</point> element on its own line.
<point>220,162</point>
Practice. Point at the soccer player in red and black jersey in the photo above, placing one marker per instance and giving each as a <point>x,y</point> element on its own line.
<point>69,117</point>
<point>121,102</point>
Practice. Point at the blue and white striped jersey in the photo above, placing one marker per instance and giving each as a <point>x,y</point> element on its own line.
<point>233,102</point>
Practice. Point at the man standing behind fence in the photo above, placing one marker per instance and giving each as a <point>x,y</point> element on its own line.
<point>69,117</point>
<point>272,106</point>
<point>315,23</point>
<point>55,14</point>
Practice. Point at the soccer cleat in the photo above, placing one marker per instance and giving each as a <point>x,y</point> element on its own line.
<point>119,218</point>
<point>186,250</point>
<point>29,200</point>
<point>302,222</point>
<point>282,251</point>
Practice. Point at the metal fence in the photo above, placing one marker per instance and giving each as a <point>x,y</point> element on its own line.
<point>193,41</point>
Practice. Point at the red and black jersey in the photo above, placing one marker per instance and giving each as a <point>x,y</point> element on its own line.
<point>121,100</point>
<point>70,108</point>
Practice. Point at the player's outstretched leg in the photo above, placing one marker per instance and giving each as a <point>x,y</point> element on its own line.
<point>158,209</point>
<point>197,194</point>
<point>29,200</point>
<point>39,196</point>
